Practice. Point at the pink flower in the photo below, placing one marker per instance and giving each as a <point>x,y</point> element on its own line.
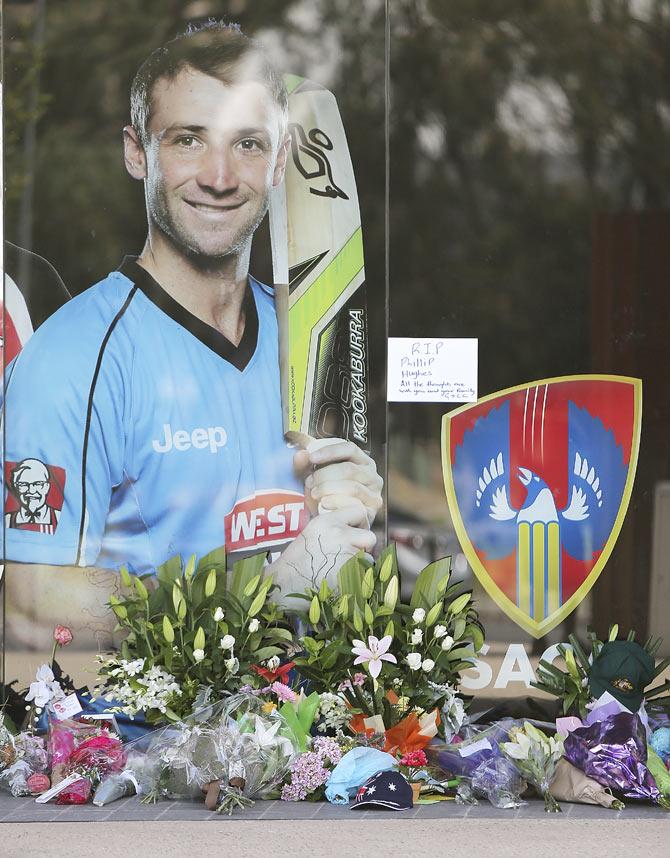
<point>374,653</point>
<point>283,692</point>
<point>62,635</point>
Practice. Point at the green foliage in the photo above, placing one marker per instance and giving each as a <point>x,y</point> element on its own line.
<point>191,607</point>
<point>366,603</point>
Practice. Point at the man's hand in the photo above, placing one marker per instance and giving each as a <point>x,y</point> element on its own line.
<point>338,474</point>
<point>327,541</point>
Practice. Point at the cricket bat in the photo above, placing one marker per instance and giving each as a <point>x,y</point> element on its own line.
<point>319,276</point>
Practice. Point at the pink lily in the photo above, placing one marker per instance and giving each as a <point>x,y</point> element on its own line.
<point>374,653</point>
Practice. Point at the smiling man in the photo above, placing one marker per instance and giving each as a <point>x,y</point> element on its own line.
<point>163,411</point>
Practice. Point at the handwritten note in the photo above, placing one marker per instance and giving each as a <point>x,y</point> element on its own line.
<point>432,369</point>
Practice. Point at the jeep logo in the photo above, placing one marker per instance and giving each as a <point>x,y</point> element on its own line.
<point>212,437</point>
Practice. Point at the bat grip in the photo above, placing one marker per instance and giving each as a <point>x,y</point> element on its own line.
<point>301,439</point>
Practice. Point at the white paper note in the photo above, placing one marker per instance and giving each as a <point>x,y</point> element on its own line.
<point>432,369</point>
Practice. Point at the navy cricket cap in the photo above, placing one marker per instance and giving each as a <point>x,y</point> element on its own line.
<point>385,789</point>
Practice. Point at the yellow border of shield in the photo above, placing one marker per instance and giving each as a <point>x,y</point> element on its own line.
<point>538,629</point>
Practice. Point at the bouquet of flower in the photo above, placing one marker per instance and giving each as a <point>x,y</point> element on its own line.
<point>81,755</point>
<point>23,761</point>
<point>412,654</point>
<point>193,627</point>
<point>234,751</point>
<point>310,771</point>
<point>535,756</point>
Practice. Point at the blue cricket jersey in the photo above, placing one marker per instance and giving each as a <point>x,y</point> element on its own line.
<point>135,431</point>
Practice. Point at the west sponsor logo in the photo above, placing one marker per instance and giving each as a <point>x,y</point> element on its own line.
<point>211,438</point>
<point>265,519</point>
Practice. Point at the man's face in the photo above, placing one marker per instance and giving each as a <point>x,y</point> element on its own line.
<point>32,487</point>
<point>211,161</point>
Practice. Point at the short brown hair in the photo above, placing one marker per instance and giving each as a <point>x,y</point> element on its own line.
<point>215,49</point>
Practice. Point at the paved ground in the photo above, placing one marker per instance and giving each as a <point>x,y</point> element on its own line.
<point>315,829</point>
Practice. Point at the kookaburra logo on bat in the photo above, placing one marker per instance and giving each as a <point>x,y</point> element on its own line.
<point>308,151</point>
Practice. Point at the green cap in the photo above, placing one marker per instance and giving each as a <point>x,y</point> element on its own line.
<point>624,669</point>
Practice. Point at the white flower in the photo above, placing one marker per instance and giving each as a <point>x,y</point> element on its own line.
<point>44,673</point>
<point>419,615</point>
<point>132,668</point>
<point>414,660</point>
<point>40,693</point>
<point>272,663</point>
<point>227,642</point>
<point>198,654</point>
<point>253,625</point>
<point>427,665</point>
<point>447,643</point>
<point>232,665</point>
<point>218,614</point>
<point>417,636</point>
<point>440,631</point>
<point>519,749</point>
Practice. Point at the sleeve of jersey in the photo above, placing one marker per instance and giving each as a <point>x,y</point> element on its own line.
<point>65,411</point>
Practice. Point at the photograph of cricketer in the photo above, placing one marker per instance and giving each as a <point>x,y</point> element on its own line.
<point>163,411</point>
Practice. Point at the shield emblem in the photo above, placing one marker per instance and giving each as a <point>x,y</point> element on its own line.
<point>538,479</point>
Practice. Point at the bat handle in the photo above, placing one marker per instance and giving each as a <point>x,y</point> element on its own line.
<point>304,441</point>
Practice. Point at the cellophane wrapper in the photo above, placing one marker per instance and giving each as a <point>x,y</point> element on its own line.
<point>218,742</point>
<point>463,758</point>
<point>614,753</point>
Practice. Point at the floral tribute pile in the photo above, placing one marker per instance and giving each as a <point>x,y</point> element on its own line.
<point>219,695</point>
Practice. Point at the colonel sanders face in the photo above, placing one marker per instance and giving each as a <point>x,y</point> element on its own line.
<point>31,483</point>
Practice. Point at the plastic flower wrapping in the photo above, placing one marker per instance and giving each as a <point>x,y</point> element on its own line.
<point>22,756</point>
<point>535,756</point>
<point>87,750</point>
<point>614,753</point>
<point>234,751</point>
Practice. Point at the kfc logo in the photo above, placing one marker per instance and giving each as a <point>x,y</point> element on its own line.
<point>35,495</point>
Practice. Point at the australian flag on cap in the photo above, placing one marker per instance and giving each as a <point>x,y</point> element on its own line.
<point>385,789</point>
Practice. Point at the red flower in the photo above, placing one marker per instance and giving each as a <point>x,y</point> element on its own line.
<point>62,635</point>
<point>414,759</point>
<point>281,673</point>
<point>103,752</point>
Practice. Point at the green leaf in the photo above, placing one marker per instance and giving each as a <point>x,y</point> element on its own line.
<point>266,652</point>
<point>350,578</point>
<point>476,635</point>
<point>459,628</point>
<point>243,571</point>
<point>168,631</point>
<point>210,583</point>
<point>315,611</point>
<point>279,633</point>
<point>613,632</point>
<point>168,572</point>
<point>426,586</point>
<point>459,603</point>
<point>199,639</point>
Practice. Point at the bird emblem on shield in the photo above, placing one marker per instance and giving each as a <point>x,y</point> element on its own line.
<point>538,479</point>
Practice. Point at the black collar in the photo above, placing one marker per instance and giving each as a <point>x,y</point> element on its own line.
<point>238,356</point>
